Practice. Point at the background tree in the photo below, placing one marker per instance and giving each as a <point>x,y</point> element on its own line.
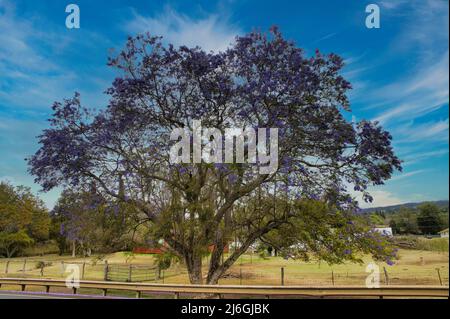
<point>377,219</point>
<point>404,221</point>
<point>316,229</point>
<point>23,219</point>
<point>261,81</point>
<point>12,243</point>
<point>429,219</point>
<point>89,222</point>
<point>56,232</point>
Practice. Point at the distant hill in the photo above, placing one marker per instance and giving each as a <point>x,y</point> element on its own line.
<point>387,209</point>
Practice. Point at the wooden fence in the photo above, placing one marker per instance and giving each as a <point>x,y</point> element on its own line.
<point>257,291</point>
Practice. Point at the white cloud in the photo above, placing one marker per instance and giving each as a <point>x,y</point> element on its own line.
<point>381,198</point>
<point>213,32</point>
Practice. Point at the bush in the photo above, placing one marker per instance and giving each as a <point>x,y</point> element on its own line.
<point>164,261</point>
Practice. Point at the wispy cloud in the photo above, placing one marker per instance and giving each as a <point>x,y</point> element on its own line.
<point>392,4</point>
<point>418,95</point>
<point>420,156</point>
<point>422,87</point>
<point>32,76</point>
<point>15,50</point>
<point>34,72</point>
<point>325,37</point>
<point>407,175</point>
<point>429,131</point>
<point>213,32</point>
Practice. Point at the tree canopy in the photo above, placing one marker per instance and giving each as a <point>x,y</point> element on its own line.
<point>93,224</point>
<point>429,219</point>
<point>261,81</point>
<point>23,219</point>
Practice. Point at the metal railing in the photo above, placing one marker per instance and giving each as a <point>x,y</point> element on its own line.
<point>227,290</point>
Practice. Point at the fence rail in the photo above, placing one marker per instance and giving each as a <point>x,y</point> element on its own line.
<point>258,291</point>
<point>242,274</point>
<point>131,273</point>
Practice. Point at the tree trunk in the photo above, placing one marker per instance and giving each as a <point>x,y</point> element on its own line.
<point>194,267</point>
<point>74,248</point>
<point>215,264</point>
<point>217,270</point>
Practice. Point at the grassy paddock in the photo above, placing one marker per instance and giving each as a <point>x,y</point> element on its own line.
<point>415,267</point>
<point>433,244</point>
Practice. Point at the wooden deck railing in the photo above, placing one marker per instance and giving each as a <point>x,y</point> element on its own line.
<point>224,290</point>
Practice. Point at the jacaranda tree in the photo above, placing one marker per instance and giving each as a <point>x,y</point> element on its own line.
<point>261,81</point>
<point>91,223</point>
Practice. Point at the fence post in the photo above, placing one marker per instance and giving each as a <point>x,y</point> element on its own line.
<point>82,270</point>
<point>386,276</point>
<point>105,271</point>
<point>240,276</point>
<point>332,277</point>
<point>42,269</point>
<point>158,273</point>
<point>62,268</point>
<point>24,267</point>
<point>439,275</point>
<point>6,267</point>
<point>282,276</point>
<point>129,273</point>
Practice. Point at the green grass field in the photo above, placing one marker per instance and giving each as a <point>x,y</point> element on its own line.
<point>415,267</point>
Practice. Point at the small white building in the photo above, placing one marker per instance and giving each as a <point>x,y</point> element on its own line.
<point>384,230</point>
<point>444,233</point>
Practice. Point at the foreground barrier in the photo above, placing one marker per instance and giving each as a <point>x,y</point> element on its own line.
<point>255,291</point>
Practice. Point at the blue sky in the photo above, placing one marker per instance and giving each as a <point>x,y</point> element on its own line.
<point>399,72</point>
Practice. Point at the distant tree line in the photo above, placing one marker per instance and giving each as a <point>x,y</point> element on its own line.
<point>427,219</point>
